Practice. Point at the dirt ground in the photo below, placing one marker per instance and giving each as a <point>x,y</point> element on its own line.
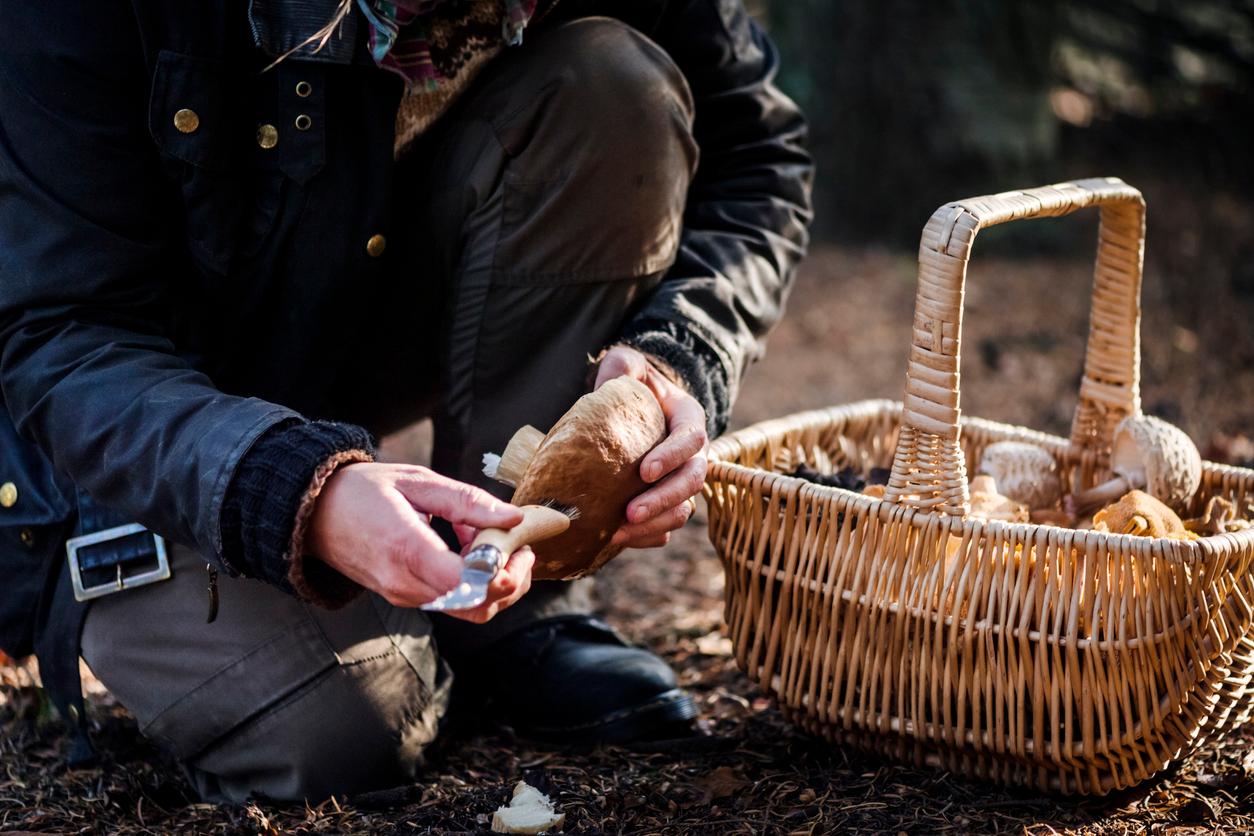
<point>749,771</point>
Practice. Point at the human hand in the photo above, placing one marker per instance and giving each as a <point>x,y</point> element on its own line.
<point>675,468</point>
<point>372,524</point>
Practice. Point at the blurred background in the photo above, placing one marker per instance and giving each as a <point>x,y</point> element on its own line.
<point>916,104</point>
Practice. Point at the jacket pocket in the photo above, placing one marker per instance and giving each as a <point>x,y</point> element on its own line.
<point>203,118</point>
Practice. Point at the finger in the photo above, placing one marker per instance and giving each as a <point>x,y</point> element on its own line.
<point>670,492</point>
<point>669,520</point>
<point>652,541</point>
<point>515,576</point>
<point>687,438</point>
<point>465,534</point>
<point>458,502</point>
<point>510,584</point>
<point>619,362</point>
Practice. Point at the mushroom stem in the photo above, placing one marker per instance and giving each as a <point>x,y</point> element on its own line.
<point>518,455</point>
<point>1099,495</point>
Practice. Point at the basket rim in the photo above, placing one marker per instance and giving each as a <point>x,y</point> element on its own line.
<point>1190,551</point>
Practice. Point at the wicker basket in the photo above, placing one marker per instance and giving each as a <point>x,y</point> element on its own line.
<point>1068,660</point>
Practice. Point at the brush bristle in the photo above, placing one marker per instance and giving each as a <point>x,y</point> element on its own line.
<point>491,464</point>
<point>569,510</point>
<point>517,455</point>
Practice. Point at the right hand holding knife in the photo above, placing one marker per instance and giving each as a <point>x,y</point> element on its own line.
<point>372,524</point>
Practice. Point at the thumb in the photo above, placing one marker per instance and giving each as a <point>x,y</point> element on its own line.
<point>433,568</point>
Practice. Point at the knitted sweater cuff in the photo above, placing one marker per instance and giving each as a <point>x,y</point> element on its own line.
<point>694,361</point>
<point>270,500</point>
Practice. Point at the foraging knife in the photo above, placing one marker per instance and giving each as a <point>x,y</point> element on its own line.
<point>492,547</point>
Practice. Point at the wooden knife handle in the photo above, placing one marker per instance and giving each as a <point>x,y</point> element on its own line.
<point>539,523</point>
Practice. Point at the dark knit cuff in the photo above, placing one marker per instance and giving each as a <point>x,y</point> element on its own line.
<point>694,361</point>
<point>271,497</point>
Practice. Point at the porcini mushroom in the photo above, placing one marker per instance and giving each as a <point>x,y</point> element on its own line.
<point>1151,455</point>
<point>988,504</point>
<point>1142,515</point>
<point>589,461</point>
<point>1023,472</point>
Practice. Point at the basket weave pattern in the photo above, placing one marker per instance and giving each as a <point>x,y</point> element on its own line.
<point>1069,660</point>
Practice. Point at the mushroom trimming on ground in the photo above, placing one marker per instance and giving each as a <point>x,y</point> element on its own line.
<point>589,461</point>
<point>1141,515</point>
<point>1151,455</point>
<point>528,811</point>
<point>1023,472</point>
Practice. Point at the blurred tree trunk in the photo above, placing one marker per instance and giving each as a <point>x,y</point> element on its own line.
<point>913,104</point>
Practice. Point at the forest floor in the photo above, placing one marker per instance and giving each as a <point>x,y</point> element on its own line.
<point>748,771</point>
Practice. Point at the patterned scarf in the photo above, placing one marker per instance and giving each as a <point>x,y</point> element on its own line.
<point>436,46</point>
<point>400,35</point>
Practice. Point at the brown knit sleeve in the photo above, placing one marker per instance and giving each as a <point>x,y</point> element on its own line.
<point>313,580</point>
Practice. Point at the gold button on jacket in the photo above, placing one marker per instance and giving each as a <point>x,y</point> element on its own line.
<point>8,495</point>
<point>186,120</point>
<point>267,136</point>
<point>376,245</point>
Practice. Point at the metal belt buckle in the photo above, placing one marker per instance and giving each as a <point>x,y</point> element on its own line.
<point>127,573</point>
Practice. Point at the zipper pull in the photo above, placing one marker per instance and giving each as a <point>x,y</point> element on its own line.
<point>213,592</point>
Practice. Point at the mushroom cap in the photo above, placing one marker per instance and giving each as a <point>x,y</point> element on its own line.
<point>590,460</point>
<point>988,504</point>
<point>1142,515</point>
<point>1024,472</point>
<point>1153,455</point>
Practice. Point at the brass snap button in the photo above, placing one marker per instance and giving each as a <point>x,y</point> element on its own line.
<point>267,136</point>
<point>28,538</point>
<point>303,89</point>
<point>186,121</point>
<point>303,122</point>
<point>376,245</point>
<point>8,495</point>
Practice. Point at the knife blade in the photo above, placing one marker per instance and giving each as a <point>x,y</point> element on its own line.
<point>492,547</point>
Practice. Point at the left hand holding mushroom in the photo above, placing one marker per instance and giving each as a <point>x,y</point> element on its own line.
<point>675,468</point>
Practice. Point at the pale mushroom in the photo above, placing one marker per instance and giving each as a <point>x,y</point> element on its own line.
<point>1151,455</point>
<point>988,504</point>
<point>589,461</point>
<point>1142,515</point>
<point>1024,472</point>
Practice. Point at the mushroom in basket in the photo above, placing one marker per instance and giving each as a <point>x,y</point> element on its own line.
<point>1023,472</point>
<point>1142,515</point>
<point>1150,455</point>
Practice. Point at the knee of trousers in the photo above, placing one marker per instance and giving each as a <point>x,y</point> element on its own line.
<point>355,729</point>
<point>618,90</point>
<point>602,160</point>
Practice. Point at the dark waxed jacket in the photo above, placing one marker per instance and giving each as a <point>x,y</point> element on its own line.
<point>165,297</point>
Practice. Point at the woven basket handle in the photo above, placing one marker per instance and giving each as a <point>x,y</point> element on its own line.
<point>929,470</point>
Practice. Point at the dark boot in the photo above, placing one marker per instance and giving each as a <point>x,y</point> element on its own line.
<point>572,679</point>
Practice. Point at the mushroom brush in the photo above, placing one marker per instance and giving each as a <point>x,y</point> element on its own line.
<point>1151,455</point>
<point>589,460</point>
<point>1023,472</point>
